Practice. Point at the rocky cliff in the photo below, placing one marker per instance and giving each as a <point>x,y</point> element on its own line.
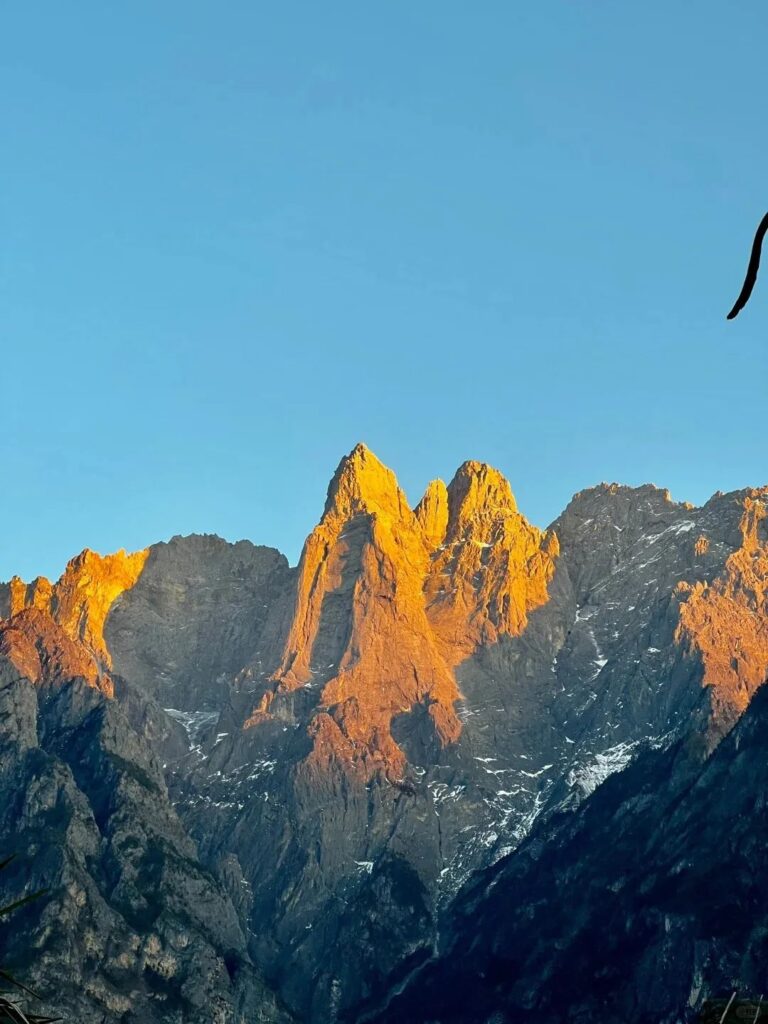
<point>638,907</point>
<point>344,743</point>
<point>136,928</point>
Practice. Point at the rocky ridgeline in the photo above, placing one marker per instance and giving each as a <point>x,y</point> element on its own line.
<point>316,759</point>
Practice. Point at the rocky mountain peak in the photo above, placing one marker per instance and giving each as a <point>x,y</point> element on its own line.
<point>725,621</point>
<point>618,505</point>
<point>349,740</point>
<point>432,513</point>
<point>37,594</point>
<point>359,640</point>
<point>389,601</point>
<point>612,519</point>
<point>81,599</point>
<point>492,568</point>
<point>362,483</point>
<point>479,492</point>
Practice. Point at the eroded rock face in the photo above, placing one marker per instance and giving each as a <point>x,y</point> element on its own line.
<point>200,610</point>
<point>389,600</point>
<point>565,664</point>
<point>359,632</point>
<point>490,569</point>
<point>135,929</point>
<point>82,598</point>
<point>726,622</point>
<point>641,906</point>
<point>346,742</point>
<point>40,651</point>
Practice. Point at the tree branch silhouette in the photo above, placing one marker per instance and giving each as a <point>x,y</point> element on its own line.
<point>754,263</point>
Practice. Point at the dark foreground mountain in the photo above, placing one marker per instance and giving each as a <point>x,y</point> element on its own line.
<point>654,894</point>
<point>136,929</point>
<point>280,778</point>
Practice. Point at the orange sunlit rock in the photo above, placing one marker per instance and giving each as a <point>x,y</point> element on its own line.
<point>492,567</point>
<point>432,513</point>
<point>726,622</point>
<point>41,651</point>
<point>81,599</point>
<point>389,600</point>
<point>701,546</point>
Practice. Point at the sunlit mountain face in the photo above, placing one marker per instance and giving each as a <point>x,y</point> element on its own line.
<point>451,767</point>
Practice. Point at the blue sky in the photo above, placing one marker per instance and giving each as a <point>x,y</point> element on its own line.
<point>238,238</point>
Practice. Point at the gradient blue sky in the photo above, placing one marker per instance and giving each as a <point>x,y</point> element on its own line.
<point>237,238</point>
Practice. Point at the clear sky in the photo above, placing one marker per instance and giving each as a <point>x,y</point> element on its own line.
<point>236,238</point>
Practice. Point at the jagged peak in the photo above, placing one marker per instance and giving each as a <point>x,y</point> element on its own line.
<point>611,490</point>
<point>607,501</point>
<point>36,594</point>
<point>81,598</point>
<point>116,563</point>
<point>362,483</point>
<point>742,496</point>
<point>477,490</point>
<point>432,512</point>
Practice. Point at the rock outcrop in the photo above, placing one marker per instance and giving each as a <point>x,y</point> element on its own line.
<point>82,598</point>
<point>648,902</point>
<point>359,632</point>
<point>726,621</point>
<point>40,651</point>
<point>390,599</point>
<point>200,611</point>
<point>134,927</point>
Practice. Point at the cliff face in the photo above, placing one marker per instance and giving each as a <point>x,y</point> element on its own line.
<point>345,742</point>
<point>726,622</point>
<point>136,929</point>
<point>489,567</point>
<point>199,611</point>
<point>389,600</point>
<point>359,632</point>
<point>640,907</point>
<point>41,652</point>
<point>82,598</point>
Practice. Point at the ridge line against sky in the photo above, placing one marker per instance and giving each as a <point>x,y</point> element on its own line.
<point>294,550</point>
<point>236,241</point>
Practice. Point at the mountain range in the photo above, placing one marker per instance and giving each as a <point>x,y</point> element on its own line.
<point>451,767</point>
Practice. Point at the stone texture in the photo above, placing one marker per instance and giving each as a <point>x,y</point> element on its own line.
<point>383,612</point>
<point>726,622</point>
<point>134,928</point>
<point>359,631</point>
<point>40,650</point>
<point>647,902</point>
<point>491,568</point>
<point>199,611</point>
<point>81,599</point>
